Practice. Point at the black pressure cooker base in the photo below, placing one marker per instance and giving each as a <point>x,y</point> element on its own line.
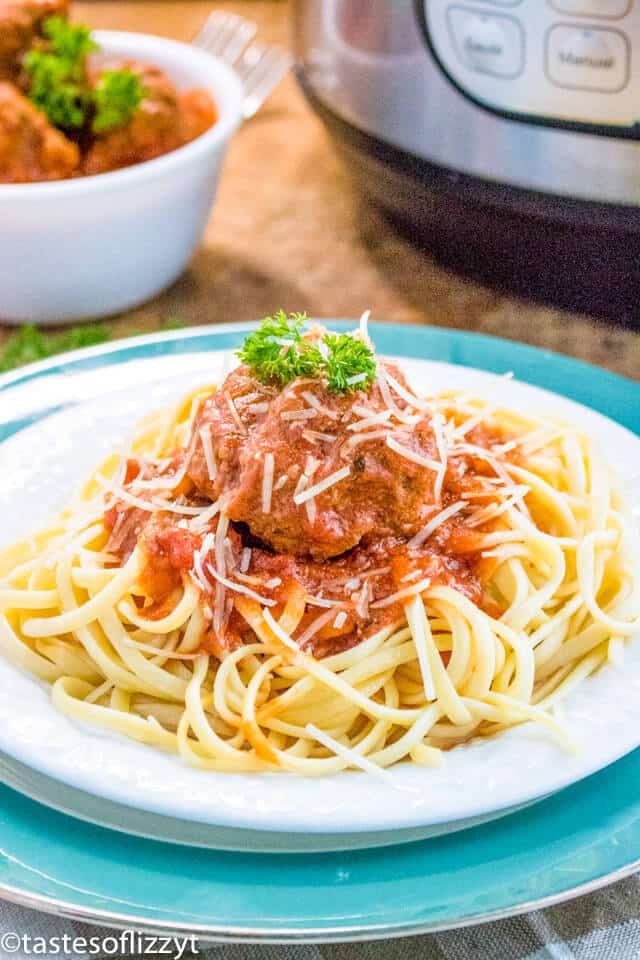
<point>595,271</point>
<point>574,254</point>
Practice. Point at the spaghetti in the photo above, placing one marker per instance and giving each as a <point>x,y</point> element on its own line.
<point>283,577</point>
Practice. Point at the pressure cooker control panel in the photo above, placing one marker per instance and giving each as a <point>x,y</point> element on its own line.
<point>564,62</point>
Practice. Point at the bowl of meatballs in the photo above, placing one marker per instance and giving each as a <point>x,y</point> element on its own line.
<point>111,148</point>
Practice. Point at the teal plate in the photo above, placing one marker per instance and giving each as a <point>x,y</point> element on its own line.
<point>572,843</point>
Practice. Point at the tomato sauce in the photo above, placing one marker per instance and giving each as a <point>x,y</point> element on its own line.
<point>351,593</point>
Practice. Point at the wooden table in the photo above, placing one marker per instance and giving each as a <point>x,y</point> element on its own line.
<point>290,230</point>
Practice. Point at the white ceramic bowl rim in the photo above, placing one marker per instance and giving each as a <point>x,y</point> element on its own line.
<point>227,98</point>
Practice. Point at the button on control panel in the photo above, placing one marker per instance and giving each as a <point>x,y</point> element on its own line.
<point>606,9</point>
<point>487,43</point>
<point>582,58</point>
<point>568,63</point>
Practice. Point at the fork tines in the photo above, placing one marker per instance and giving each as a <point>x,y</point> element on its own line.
<point>228,36</point>
<point>225,35</point>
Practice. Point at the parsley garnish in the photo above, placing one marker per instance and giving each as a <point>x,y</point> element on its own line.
<point>278,353</point>
<point>117,95</point>
<point>71,42</point>
<point>57,73</point>
<point>349,359</point>
<point>59,85</point>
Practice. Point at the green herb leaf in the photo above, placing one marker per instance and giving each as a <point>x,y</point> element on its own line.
<point>57,73</point>
<point>350,364</point>
<point>276,351</point>
<point>56,90</point>
<point>76,338</point>
<point>29,343</point>
<point>69,41</point>
<point>173,323</point>
<point>59,86</point>
<point>25,346</point>
<point>117,95</point>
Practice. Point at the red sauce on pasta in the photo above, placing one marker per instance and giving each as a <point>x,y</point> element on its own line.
<point>353,556</point>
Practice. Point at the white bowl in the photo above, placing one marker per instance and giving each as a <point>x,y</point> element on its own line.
<point>91,247</point>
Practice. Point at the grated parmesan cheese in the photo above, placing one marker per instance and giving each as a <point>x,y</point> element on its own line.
<point>412,455</point>
<point>378,572</point>
<point>429,528</point>
<point>321,602</point>
<point>314,627</point>
<point>362,606</point>
<point>340,620</point>
<point>402,594</point>
<point>246,578</point>
<point>198,573</point>
<point>364,437</point>
<point>234,413</point>
<point>310,467</point>
<point>361,410</point>
<point>161,483</point>
<point>198,523</point>
<point>363,328</point>
<point>323,485</point>
<point>438,431</point>
<point>411,576</point>
<point>302,414</point>
<point>149,505</point>
<point>388,399</point>
<point>370,421</point>
<point>496,491</point>
<point>267,482</point>
<point>320,408</point>
<point>406,395</point>
<point>495,510</point>
<point>207,449</point>
<point>313,435</point>
<point>238,587</point>
<point>220,537</point>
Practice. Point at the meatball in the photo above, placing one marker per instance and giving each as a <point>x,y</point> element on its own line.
<point>30,148</point>
<point>302,434</point>
<point>198,114</point>
<point>154,129</point>
<point>164,121</point>
<point>20,22</point>
<point>227,416</point>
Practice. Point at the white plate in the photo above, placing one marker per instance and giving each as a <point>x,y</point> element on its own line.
<point>153,826</point>
<point>41,468</point>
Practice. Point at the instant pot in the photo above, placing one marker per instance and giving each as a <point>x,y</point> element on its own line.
<point>504,134</point>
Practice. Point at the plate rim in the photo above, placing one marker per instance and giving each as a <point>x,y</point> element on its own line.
<point>32,371</point>
<point>290,935</point>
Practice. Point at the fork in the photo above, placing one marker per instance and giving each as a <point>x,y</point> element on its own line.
<point>260,68</point>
